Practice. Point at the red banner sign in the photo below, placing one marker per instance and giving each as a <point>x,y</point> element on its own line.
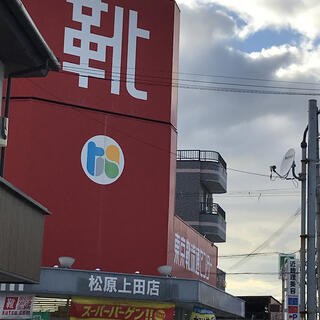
<point>85,308</point>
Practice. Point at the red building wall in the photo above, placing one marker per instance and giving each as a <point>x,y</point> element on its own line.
<point>119,60</point>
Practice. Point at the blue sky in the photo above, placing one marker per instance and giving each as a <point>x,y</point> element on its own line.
<point>267,38</point>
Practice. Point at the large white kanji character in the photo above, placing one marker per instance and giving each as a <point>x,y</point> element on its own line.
<point>126,286</point>
<point>110,284</point>
<point>197,271</point>
<point>187,254</point>
<point>134,33</point>
<point>95,283</point>
<point>89,46</point>
<point>182,251</point>
<point>193,258</point>
<point>207,266</point>
<point>176,249</point>
<point>139,286</point>
<point>153,288</point>
<point>202,254</point>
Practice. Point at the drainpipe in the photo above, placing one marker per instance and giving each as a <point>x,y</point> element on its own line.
<point>6,113</point>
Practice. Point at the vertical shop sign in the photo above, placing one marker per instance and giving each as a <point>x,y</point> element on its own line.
<point>292,289</point>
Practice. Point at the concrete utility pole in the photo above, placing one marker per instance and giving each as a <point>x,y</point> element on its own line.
<point>312,185</point>
<point>318,221</point>
<point>303,179</point>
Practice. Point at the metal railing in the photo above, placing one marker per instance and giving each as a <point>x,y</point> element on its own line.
<point>201,155</point>
<point>212,208</point>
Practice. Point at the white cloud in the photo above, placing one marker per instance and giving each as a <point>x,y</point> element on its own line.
<point>300,15</point>
<point>251,131</point>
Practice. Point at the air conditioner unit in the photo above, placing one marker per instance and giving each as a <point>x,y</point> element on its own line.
<point>3,131</point>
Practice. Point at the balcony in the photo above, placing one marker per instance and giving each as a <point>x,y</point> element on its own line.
<point>212,222</point>
<point>209,164</point>
<point>21,234</point>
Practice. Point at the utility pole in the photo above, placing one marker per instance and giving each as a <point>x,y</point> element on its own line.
<point>283,290</point>
<point>318,219</point>
<point>312,185</point>
<point>303,236</point>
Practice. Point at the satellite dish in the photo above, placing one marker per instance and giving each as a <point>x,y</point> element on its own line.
<point>287,163</point>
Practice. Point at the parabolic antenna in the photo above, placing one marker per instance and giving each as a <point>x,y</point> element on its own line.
<point>287,162</point>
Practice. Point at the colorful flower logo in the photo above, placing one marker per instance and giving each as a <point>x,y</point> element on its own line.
<point>102,159</point>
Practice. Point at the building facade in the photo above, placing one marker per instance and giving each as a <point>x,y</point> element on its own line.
<point>100,154</point>
<point>23,53</point>
<point>200,175</point>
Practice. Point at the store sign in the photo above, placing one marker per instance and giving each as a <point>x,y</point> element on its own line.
<point>202,314</point>
<point>134,286</point>
<point>86,308</point>
<point>283,259</point>
<point>16,306</point>
<point>292,285</point>
<point>115,55</point>
<point>88,46</point>
<point>191,257</point>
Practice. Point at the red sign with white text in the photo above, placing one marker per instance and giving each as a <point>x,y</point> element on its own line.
<point>16,307</point>
<point>116,55</point>
<point>192,256</point>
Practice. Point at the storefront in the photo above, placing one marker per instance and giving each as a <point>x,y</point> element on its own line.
<point>60,289</point>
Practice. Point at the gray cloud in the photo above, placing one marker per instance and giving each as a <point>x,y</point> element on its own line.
<point>251,131</point>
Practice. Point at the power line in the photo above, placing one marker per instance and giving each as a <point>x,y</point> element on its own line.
<point>248,172</point>
<point>247,193</point>
<point>166,75</point>
<point>248,78</point>
<point>256,254</point>
<point>285,225</point>
<point>256,273</point>
<point>170,83</point>
<point>167,81</point>
<point>258,195</point>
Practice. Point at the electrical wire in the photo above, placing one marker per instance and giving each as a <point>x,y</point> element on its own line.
<point>285,225</point>
<point>145,79</point>
<point>140,72</point>
<point>248,172</point>
<point>246,193</point>
<point>256,254</point>
<point>248,78</point>
<point>149,80</point>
